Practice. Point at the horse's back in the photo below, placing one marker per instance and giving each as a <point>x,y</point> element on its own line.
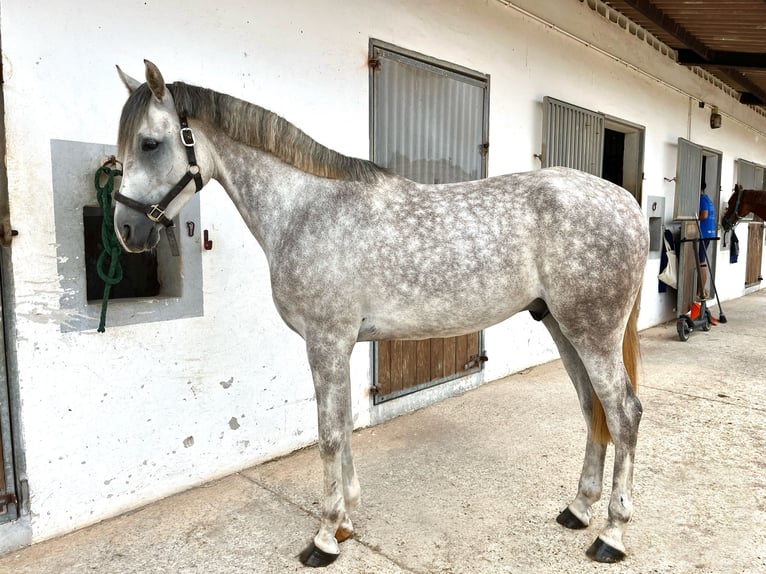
<point>418,260</point>
<point>514,224</point>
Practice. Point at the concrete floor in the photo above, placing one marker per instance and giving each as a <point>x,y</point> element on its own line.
<point>473,484</point>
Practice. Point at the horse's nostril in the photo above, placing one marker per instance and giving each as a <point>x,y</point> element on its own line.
<point>125,232</point>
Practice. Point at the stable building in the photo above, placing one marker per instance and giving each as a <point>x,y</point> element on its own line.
<point>196,376</point>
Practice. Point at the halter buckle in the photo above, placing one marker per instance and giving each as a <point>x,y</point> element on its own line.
<point>156,214</point>
<point>187,137</point>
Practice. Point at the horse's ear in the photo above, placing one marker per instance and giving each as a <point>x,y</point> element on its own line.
<point>130,83</point>
<point>155,81</point>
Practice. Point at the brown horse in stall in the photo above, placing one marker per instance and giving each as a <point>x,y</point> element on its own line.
<point>741,203</point>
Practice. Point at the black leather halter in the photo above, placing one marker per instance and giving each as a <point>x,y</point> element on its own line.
<point>156,211</point>
<point>731,221</point>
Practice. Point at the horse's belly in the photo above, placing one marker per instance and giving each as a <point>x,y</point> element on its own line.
<point>438,317</point>
<point>374,329</point>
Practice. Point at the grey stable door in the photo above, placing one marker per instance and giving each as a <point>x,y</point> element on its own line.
<point>429,124</point>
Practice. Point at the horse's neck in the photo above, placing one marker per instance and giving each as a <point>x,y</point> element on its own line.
<point>265,190</point>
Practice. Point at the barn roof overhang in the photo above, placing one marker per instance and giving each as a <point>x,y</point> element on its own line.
<point>726,38</point>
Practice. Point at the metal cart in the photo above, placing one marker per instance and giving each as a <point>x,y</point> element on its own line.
<point>689,279</point>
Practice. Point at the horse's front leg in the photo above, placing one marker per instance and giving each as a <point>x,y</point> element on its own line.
<point>329,361</point>
<point>351,489</point>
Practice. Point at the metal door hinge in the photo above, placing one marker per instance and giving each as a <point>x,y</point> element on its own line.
<point>6,232</point>
<point>476,361</point>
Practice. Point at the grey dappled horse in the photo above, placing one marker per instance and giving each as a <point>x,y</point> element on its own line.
<point>357,253</point>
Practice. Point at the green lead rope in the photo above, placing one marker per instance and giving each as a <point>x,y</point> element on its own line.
<point>112,247</point>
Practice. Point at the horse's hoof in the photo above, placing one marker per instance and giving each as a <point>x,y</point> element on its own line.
<point>343,534</point>
<point>567,519</point>
<point>316,558</point>
<point>600,551</point>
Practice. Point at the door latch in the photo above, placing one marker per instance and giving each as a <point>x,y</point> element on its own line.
<point>476,360</point>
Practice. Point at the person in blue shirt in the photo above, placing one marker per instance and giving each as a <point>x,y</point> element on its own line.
<point>707,230</point>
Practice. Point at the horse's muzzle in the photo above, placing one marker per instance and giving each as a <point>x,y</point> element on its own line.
<point>136,234</point>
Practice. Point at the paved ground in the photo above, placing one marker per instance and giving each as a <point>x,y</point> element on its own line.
<point>473,484</point>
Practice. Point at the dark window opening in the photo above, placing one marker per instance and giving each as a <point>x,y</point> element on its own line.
<point>139,270</point>
<point>614,155</point>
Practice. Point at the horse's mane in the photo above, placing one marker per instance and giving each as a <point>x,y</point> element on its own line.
<point>252,125</point>
<point>756,195</point>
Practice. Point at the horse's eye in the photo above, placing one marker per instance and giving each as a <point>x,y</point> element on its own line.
<point>149,144</point>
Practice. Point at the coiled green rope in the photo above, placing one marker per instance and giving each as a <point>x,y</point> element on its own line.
<point>112,247</point>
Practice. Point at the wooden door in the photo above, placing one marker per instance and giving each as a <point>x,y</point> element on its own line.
<point>8,501</point>
<point>408,366</point>
<point>688,255</point>
<point>4,497</point>
<point>429,123</point>
<point>754,253</point>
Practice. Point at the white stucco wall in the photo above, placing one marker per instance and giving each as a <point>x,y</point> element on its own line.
<point>105,416</point>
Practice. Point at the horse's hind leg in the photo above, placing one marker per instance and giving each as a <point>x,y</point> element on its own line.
<point>623,414</point>
<point>329,361</point>
<point>578,514</point>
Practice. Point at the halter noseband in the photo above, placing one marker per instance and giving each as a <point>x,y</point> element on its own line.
<point>732,220</point>
<point>156,211</point>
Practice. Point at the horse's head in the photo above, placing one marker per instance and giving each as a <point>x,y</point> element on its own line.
<point>162,166</point>
<point>733,209</point>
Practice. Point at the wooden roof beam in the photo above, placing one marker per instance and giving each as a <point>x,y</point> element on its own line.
<point>751,99</point>
<point>753,94</point>
<point>741,60</point>
<point>659,18</point>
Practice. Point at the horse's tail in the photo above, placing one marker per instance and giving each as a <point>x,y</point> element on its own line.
<point>631,353</point>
